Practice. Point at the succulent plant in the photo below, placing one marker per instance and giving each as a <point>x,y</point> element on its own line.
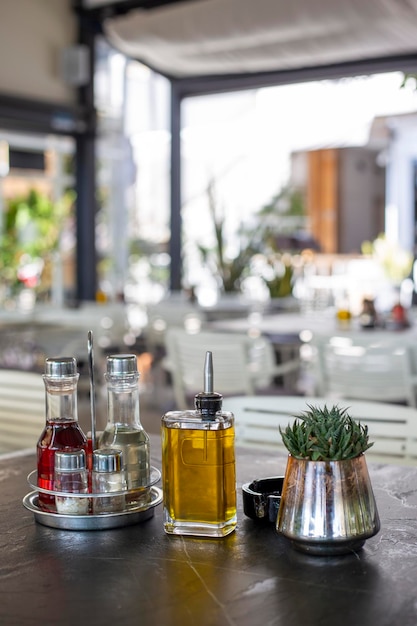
<point>322,434</point>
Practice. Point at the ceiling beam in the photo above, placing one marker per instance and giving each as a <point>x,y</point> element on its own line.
<point>206,85</point>
<point>121,7</point>
<point>26,115</point>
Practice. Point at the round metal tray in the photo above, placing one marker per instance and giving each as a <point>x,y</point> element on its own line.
<point>32,479</point>
<point>93,522</point>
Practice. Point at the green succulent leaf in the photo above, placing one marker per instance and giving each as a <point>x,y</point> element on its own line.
<point>323,434</point>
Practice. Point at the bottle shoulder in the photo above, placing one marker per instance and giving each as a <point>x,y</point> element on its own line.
<point>126,430</point>
<point>193,420</point>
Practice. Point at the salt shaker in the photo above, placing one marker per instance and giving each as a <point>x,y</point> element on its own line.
<point>108,477</point>
<point>71,477</point>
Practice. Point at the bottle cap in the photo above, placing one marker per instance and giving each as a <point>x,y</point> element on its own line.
<point>107,460</point>
<point>208,403</point>
<point>70,461</point>
<point>61,367</point>
<point>122,364</point>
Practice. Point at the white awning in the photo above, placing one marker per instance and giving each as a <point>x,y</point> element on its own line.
<point>207,37</point>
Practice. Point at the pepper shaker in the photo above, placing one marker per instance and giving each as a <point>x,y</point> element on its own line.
<point>107,478</point>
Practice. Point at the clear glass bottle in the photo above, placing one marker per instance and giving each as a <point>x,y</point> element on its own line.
<point>123,430</point>
<point>108,477</point>
<point>368,317</point>
<point>62,431</point>
<point>198,466</point>
<point>71,477</point>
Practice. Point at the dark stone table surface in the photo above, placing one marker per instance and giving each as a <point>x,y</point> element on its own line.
<point>138,575</point>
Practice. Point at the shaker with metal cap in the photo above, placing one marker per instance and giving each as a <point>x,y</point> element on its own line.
<point>62,431</point>
<point>124,430</point>
<point>71,477</point>
<point>107,478</point>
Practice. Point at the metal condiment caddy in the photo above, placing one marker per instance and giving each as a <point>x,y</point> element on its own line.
<point>87,484</point>
<point>90,520</point>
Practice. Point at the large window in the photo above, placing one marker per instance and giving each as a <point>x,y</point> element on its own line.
<point>133,177</point>
<point>335,143</point>
<point>324,160</point>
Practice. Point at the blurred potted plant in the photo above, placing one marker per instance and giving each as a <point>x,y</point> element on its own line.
<point>31,228</point>
<point>229,270</point>
<point>395,262</point>
<point>281,223</point>
<point>259,244</point>
<point>327,505</point>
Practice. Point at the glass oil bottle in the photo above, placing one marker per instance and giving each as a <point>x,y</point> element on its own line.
<point>198,466</point>
<point>123,430</point>
<point>62,431</point>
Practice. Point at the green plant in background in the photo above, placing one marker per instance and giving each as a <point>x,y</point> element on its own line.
<point>322,434</point>
<point>278,274</point>
<point>284,215</point>
<point>30,234</point>
<point>395,262</point>
<point>231,271</point>
<point>286,211</point>
<point>407,78</point>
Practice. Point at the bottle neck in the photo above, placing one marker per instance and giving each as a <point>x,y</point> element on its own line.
<point>61,398</point>
<point>123,400</point>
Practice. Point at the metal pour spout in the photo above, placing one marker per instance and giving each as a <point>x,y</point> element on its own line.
<point>208,402</point>
<point>208,373</point>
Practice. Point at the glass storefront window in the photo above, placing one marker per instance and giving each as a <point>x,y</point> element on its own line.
<point>37,261</point>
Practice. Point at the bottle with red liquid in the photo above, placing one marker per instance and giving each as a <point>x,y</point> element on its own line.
<point>62,431</point>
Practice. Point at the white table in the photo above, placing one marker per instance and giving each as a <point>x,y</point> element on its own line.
<point>302,327</point>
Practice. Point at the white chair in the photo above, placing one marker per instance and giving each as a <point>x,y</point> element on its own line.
<point>392,428</point>
<point>22,410</point>
<point>364,368</point>
<point>171,312</point>
<point>241,364</point>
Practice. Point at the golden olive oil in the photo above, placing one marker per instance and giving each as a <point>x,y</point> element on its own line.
<point>198,468</point>
<point>199,480</point>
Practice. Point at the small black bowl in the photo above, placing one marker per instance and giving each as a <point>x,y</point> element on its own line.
<point>261,498</point>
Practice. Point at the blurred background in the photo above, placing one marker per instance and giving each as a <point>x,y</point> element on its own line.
<point>271,188</point>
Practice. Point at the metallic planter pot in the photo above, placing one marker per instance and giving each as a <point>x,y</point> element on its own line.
<point>327,507</point>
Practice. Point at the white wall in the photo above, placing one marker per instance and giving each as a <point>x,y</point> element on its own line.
<point>400,190</point>
<point>361,198</point>
<point>32,35</point>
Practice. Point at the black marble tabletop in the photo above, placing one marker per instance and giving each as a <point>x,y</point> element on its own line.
<point>139,575</point>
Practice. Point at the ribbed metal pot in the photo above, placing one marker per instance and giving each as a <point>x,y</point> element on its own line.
<point>327,507</point>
